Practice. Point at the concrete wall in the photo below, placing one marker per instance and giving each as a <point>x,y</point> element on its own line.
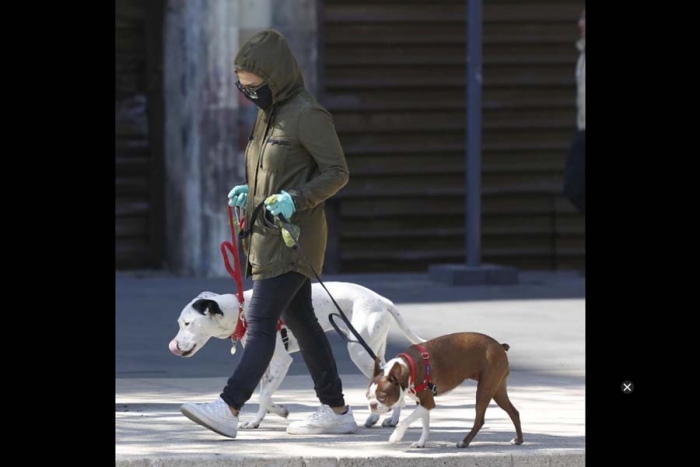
<point>207,122</point>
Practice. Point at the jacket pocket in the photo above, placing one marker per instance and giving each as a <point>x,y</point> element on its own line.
<point>265,244</point>
<point>276,154</point>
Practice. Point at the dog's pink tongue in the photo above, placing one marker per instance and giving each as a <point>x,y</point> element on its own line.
<point>173,348</point>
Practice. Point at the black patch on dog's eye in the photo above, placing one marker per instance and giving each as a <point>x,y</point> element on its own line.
<point>202,304</point>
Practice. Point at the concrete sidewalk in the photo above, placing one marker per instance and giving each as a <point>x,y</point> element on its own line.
<point>542,319</point>
<point>151,431</point>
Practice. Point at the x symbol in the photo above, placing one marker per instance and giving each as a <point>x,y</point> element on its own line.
<point>627,387</point>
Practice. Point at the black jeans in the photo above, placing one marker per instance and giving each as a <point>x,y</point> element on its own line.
<point>288,296</point>
<point>575,172</point>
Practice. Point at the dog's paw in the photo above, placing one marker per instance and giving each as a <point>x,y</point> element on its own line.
<point>396,436</point>
<point>371,420</point>
<point>390,422</point>
<point>517,441</point>
<point>461,444</point>
<point>279,410</point>
<point>249,425</point>
<point>418,444</point>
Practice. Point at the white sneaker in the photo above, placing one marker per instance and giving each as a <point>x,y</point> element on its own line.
<point>324,421</point>
<point>216,416</point>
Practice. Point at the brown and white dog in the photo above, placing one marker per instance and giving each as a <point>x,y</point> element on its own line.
<point>436,368</point>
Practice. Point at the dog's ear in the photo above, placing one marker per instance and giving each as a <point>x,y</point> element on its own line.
<point>203,304</point>
<point>395,374</point>
<point>377,367</point>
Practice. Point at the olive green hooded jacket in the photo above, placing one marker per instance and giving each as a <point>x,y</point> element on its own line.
<point>293,147</point>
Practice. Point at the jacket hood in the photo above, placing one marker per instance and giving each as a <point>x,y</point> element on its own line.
<point>267,54</point>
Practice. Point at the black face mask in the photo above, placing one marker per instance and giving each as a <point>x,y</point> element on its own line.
<point>260,96</point>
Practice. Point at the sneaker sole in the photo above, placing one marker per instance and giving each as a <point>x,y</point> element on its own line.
<point>192,416</point>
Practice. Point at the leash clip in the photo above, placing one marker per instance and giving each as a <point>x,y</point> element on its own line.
<point>238,212</point>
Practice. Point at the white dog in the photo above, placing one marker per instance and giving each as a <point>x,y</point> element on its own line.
<point>213,315</point>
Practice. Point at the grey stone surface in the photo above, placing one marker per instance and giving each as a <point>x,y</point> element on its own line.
<point>202,160</point>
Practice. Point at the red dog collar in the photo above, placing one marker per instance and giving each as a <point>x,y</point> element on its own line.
<point>242,327</point>
<point>426,384</point>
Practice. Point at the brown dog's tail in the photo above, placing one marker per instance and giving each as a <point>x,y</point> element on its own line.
<point>506,346</point>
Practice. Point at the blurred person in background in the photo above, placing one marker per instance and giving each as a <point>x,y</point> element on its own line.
<point>575,170</point>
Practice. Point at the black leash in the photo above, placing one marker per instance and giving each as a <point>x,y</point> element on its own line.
<point>342,315</point>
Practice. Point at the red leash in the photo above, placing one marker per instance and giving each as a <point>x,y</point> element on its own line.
<point>235,273</point>
<point>232,246</point>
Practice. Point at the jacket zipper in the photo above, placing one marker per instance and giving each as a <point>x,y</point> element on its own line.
<point>258,165</point>
<point>263,143</point>
<point>280,142</point>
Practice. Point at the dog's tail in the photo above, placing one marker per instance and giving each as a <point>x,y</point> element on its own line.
<point>410,335</point>
<point>506,346</point>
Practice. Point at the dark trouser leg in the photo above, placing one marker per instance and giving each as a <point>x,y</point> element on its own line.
<point>270,297</point>
<point>575,172</point>
<point>315,348</point>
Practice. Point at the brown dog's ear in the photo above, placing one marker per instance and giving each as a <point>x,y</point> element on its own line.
<point>377,367</point>
<point>395,374</point>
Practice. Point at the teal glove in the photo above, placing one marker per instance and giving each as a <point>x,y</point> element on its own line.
<point>238,197</point>
<point>281,203</point>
